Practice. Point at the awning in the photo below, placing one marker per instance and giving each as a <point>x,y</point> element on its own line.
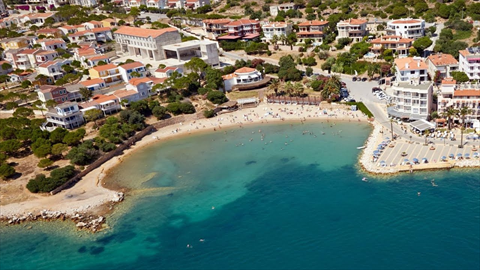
<point>392,112</point>
<point>422,125</point>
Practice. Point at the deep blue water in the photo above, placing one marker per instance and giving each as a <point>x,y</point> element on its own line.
<point>289,201</point>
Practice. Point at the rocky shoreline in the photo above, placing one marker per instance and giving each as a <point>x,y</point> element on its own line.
<point>82,219</point>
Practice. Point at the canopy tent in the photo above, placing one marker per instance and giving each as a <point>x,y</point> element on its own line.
<point>422,125</point>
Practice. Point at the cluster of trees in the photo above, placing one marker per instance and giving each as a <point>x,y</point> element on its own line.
<point>447,44</point>
<point>259,64</point>
<point>329,87</point>
<point>288,70</point>
<point>58,177</point>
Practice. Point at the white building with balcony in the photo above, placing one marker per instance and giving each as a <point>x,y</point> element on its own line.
<point>407,28</point>
<point>282,7</point>
<point>355,29</point>
<point>66,115</point>
<point>442,63</point>
<point>469,62</point>
<point>411,69</point>
<point>108,104</point>
<point>411,101</point>
<point>241,76</point>
<point>53,69</point>
<point>312,30</point>
<point>126,71</point>
<point>457,96</point>
<point>276,29</point>
<point>214,27</point>
<point>400,46</point>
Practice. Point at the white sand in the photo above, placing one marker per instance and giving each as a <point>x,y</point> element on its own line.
<point>88,194</point>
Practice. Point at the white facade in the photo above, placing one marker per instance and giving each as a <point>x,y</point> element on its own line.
<point>180,53</point>
<point>126,70</point>
<point>411,70</point>
<point>469,62</point>
<point>53,69</point>
<point>66,115</point>
<point>145,43</point>
<point>452,95</point>
<point>52,44</point>
<point>407,28</point>
<point>160,4</point>
<point>167,72</point>
<point>412,101</point>
<point>276,29</point>
<point>282,7</point>
<point>241,76</point>
<point>354,29</point>
<point>442,63</point>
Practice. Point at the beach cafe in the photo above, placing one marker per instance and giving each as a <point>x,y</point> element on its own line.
<point>420,126</point>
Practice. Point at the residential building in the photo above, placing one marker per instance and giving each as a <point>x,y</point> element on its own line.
<point>52,44</point>
<point>355,29</point>
<point>412,101</point>
<point>136,3</point>
<point>142,87</point>
<point>442,63</point>
<point>94,84</point>
<point>67,29</point>
<point>37,19</point>
<point>194,4</point>
<point>5,71</point>
<point>469,62</point>
<point>241,76</point>
<point>109,22</point>
<point>53,69</point>
<point>84,3</point>
<point>160,4</point>
<point>21,58</point>
<point>50,32</point>
<point>109,73</point>
<point>167,72</point>
<point>92,25</point>
<point>407,28</point>
<point>42,56</point>
<point>457,96</point>
<point>400,46</point>
<point>242,29</point>
<point>180,53</point>
<point>57,3</point>
<point>145,43</point>
<point>311,30</point>
<point>411,69</point>
<point>126,70</point>
<point>276,29</point>
<point>66,115</point>
<point>94,60</point>
<point>2,8</point>
<point>108,104</point>
<point>52,92</point>
<point>282,7</point>
<point>215,27</point>
<point>26,75</point>
<point>15,43</point>
<point>101,34</point>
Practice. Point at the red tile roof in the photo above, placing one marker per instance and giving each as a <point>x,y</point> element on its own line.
<point>92,82</point>
<point>315,23</point>
<point>131,65</point>
<point>467,93</point>
<point>137,81</point>
<point>442,59</point>
<point>105,67</point>
<point>166,69</point>
<point>245,70</point>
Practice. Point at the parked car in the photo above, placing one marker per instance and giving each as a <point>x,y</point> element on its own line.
<point>354,79</point>
<point>364,79</point>
<point>376,89</point>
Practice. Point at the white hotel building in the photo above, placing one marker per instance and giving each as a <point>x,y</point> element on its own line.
<point>276,28</point>
<point>469,62</point>
<point>411,69</point>
<point>412,101</point>
<point>407,28</point>
<point>241,76</point>
<point>453,95</point>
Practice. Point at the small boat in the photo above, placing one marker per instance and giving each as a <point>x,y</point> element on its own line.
<point>364,179</point>
<point>361,147</point>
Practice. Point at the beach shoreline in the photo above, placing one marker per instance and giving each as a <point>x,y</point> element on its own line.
<point>89,196</point>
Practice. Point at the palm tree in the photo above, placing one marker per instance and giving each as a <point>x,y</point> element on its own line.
<point>274,85</point>
<point>464,111</point>
<point>449,114</point>
<point>298,89</point>
<point>283,38</point>
<point>289,88</point>
<point>274,41</point>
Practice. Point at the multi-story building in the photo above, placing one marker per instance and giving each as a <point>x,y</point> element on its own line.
<point>167,72</point>
<point>106,103</point>
<point>441,63</point>
<point>411,69</point>
<point>242,29</point>
<point>282,7</point>
<point>242,76</point>
<point>276,29</point>
<point>85,3</point>
<point>126,70</point>
<point>53,69</point>
<point>96,59</point>
<point>52,92</point>
<point>101,34</point>
<point>407,28</point>
<point>15,43</point>
<point>50,32</point>
<point>194,4</point>
<point>400,46</point>
<point>2,7</point>
<point>411,101</point>
<point>109,73</point>
<point>355,29</point>
<point>42,56</point>
<point>145,43</point>
<point>67,29</point>
<point>22,58</point>
<point>160,4</point>
<point>136,3</point>
<point>94,84</point>
<point>311,30</point>
<point>66,115</point>
<point>38,19</point>
<point>180,53</point>
<point>92,25</point>
<point>469,62</point>
<point>215,27</point>
<point>453,95</point>
<point>52,44</point>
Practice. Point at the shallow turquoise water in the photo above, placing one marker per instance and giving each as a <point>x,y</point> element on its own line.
<point>287,201</point>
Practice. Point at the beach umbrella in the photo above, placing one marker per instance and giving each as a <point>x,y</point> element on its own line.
<point>405,160</point>
<point>387,138</point>
<point>415,160</point>
<point>424,160</point>
<point>467,155</point>
<point>451,155</point>
<point>376,152</point>
<point>459,155</point>
<point>475,155</point>
<point>444,157</point>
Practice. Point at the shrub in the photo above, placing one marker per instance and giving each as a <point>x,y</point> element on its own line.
<point>6,171</point>
<point>217,97</point>
<point>58,177</point>
<point>44,163</point>
<point>209,113</point>
<point>159,112</point>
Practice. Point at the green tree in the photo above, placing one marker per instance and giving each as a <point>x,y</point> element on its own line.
<point>291,40</point>
<point>217,97</point>
<point>93,115</point>
<point>10,147</point>
<point>6,171</point>
<point>26,84</point>
<point>6,66</point>
<point>463,112</point>
<point>74,138</point>
<point>422,43</point>
<point>83,154</point>
<point>58,135</point>
<point>59,149</point>
<point>23,112</point>
<point>86,94</point>
<point>159,112</point>
<point>460,76</point>
<point>45,163</point>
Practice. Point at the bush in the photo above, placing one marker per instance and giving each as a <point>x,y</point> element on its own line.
<point>217,97</point>
<point>362,108</point>
<point>83,154</point>
<point>58,177</point>
<point>203,91</point>
<point>159,112</point>
<point>44,163</point>
<point>6,171</point>
<point>180,107</point>
<point>209,113</point>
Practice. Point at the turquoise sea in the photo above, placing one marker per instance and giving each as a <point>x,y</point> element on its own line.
<point>294,200</point>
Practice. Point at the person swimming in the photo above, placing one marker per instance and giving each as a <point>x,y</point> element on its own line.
<point>364,179</point>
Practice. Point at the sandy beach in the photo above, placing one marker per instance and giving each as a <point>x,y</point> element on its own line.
<point>89,195</point>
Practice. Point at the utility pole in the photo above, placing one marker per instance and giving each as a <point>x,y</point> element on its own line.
<point>391,127</point>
